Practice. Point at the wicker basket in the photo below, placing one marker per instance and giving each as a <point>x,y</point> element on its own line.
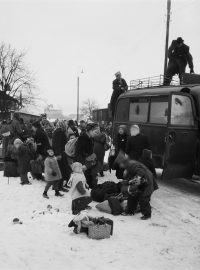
<point>97,231</point>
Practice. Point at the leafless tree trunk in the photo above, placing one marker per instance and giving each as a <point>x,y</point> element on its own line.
<point>15,78</point>
<point>87,108</point>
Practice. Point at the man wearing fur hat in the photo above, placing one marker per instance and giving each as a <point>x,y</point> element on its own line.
<point>119,87</point>
<point>179,56</point>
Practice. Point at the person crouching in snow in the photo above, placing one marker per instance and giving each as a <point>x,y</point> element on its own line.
<point>52,174</point>
<point>140,186</point>
<point>23,156</point>
<point>79,189</point>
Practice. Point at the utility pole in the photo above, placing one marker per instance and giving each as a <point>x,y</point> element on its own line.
<point>77,118</point>
<point>78,94</point>
<point>167,34</point>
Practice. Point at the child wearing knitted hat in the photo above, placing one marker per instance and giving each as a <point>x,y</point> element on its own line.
<point>79,189</point>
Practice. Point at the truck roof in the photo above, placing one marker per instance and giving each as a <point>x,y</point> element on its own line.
<point>160,90</point>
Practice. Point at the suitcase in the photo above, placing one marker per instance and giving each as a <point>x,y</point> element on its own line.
<point>188,78</point>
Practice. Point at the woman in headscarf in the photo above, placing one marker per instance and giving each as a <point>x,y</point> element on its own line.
<point>59,141</point>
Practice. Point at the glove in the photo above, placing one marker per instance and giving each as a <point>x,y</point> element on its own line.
<point>191,70</point>
<point>132,190</point>
<point>53,173</point>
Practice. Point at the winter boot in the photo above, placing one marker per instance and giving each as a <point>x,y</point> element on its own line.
<point>45,195</point>
<point>102,174</point>
<point>58,194</point>
<point>145,217</point>
<point>64,189</point>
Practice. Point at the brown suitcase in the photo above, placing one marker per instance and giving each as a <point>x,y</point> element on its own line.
<point>191,78</point>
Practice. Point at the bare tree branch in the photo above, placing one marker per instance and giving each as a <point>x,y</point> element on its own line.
<point>15,77</point>
<point>87,108</point>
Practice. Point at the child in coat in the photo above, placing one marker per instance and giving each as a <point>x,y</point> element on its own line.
<point>52,174</point>
<point>79,189</point>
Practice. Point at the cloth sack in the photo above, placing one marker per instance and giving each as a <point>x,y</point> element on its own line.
<point>70,147</point>
<point>116,208</point>
<point>104,207</point>
<point>36,167</point>
<point>10,169</point>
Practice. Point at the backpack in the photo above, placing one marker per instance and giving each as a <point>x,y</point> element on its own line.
<point>70,147</point>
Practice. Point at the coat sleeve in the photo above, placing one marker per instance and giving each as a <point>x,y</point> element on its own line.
<point>80,188</point>
<point>18,128</point>
<point>128,147</point>
<point>79,151</point>
<point>125,85</point>
<point>190,61</point>
<point>56,143</point>
<point>171,49</point>
<point>146,143</point>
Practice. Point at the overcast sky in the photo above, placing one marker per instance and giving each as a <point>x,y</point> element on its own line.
<point>99,36</point>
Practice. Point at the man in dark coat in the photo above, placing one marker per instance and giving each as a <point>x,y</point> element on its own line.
<point>136,143</point>
<point>84,150</point>
<point>41,139</point>
<point>179,56</point>
<point>59,140</point>
<point>99,150</point>
<point>119,87</point>
<point>42,143</point>
<point>120,145</point>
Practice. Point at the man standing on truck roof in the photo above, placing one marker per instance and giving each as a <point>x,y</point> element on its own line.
<point>119,87</point>
<point>179,56</point>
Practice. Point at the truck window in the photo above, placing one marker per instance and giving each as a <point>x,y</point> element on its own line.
<point>122,110</point>
<point>139,110</point>
<point>159,110</point>
<point>181,111</point>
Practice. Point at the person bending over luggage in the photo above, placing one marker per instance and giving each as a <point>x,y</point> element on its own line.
<point>79,189</point>
<point>140,186</point>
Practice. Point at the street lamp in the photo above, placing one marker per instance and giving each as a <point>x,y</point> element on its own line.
<point>78,88</point>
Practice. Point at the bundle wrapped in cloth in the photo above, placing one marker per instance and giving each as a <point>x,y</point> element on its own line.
<point>95,228</point>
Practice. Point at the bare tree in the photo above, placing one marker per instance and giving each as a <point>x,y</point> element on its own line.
<point>15,77</point>
<point>87,108</point>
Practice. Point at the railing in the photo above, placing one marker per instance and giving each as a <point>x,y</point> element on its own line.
<point>150,82</point>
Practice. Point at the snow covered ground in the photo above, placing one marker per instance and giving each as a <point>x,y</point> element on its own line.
<point>170,240</point>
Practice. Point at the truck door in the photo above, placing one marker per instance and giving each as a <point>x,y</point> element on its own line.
<point>181,138</point>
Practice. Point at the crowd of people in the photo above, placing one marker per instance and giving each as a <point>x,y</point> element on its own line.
<point>42,148</point>
<point>68,156</point>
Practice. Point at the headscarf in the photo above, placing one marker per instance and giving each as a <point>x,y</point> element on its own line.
<point>61,124</point>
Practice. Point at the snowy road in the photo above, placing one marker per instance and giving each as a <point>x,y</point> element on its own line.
<point>170,240</point>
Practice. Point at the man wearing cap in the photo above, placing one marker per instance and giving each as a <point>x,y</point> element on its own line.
<point>179,56</point>
<point>119,87</point>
